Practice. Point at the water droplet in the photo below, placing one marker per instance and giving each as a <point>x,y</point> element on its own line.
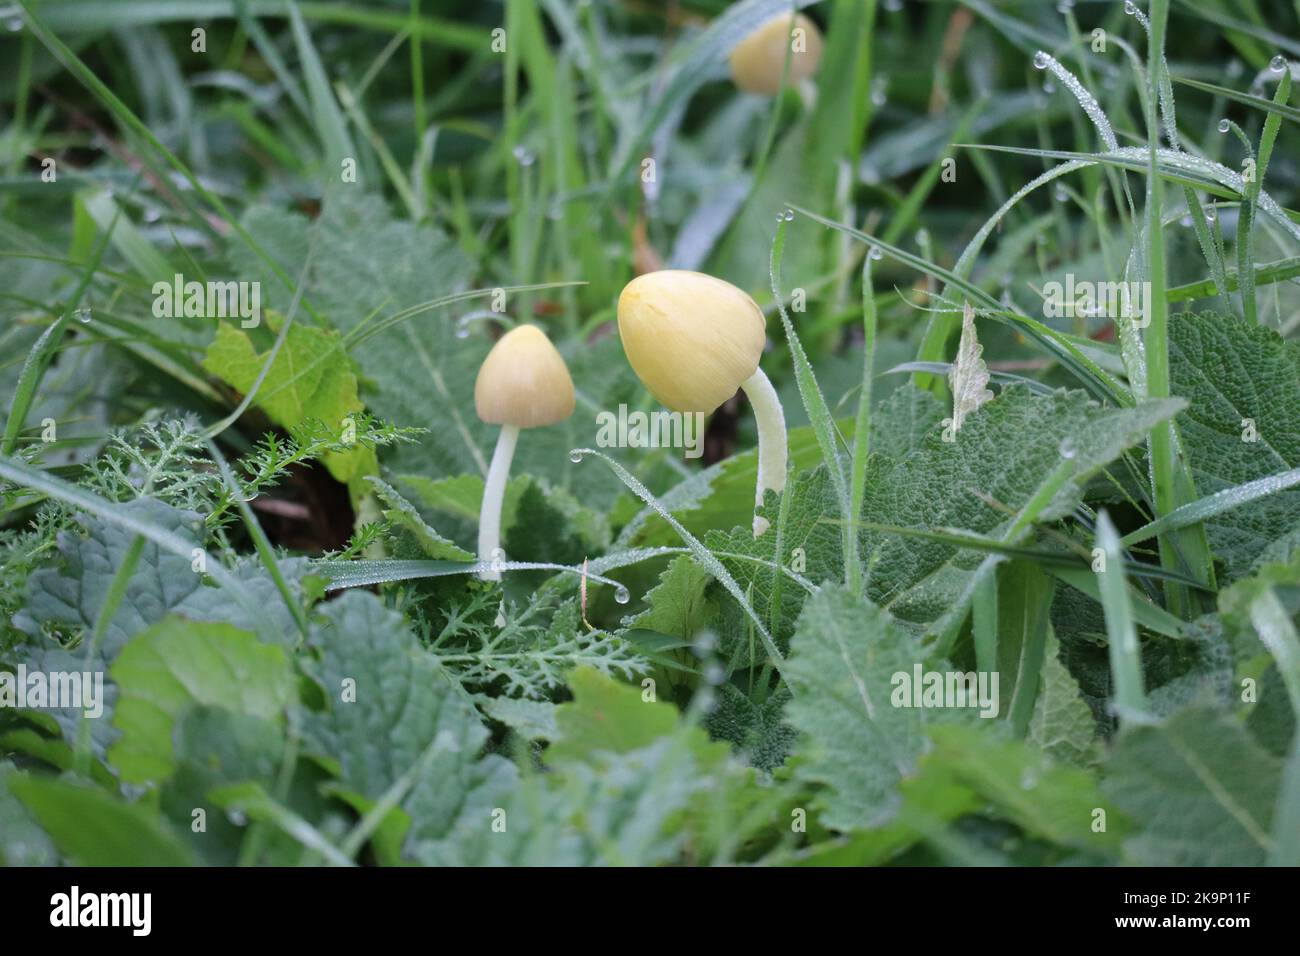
<point>1235,68</point>
<point>1277,64</point>
<point>893,6</point>
<point>714,674</point>
<point>1049,86</point>
<point>1065,6</point>
<point>523,156</point>
<point>1041,60</point>
<point>462,331</point>
<point>1211,213</point>
<point>14,24</point>
<point>622,595</point>
<point>1059,194</point>
<point>237,817</point>
<point>575,456</point>
<point>1028,779</point>
<point>81,315</point>
<point>152,215</point>
<point>1130,7</point>
<point>923,237</point>
<point>876,253</point>
<point>880,90</point>
<point>1067,448</point>
<point>789,215</point>
<point>1224,126</point>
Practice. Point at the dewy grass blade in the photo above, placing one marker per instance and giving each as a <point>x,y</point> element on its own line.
<point>1125,657</point>
<point>861,431</point>
<point>28,379</point>
<point>64,54</point>
<point>701,553</point>
<point>1100,384</point>
<point>819,414</point>
<point>1279,108</point>
<point>1197,511</point>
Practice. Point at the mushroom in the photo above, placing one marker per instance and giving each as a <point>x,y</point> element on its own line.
<point>693,340</point>
<point>758,60</point>
<point>523,383</point>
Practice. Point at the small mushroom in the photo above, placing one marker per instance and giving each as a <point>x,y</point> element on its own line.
<point>523,383</point>
<point>693,340</point>
<point>758,60</point>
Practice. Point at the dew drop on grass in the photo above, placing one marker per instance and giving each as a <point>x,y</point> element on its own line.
<point>622,595</point>
<point>1040,60</point>
<point>14,24</point>
<point>1130,7</point>
<point>1065,6</point>
<point>1277,64</point>
<point>1049,86</point>
<point>1067,447</point>
<point>876,253</point>
<point>81,315</point>
<point>523,156</point>
<point>1185,222</point>
<point>923,237</point>
<point>1224,126</point>
<point>880,90</point>
<point>1060,194</point>
<point>893,6</point>
<point>1211,213</point>
<point>575,456</point>
<point>789,215</point>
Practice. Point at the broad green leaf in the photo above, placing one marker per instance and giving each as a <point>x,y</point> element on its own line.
<point>606,715</point>
<point>93,828</point>
<point>855,743</point>
<point>310,379</point>
<point>67,599</point>
<point>1243,424</point>
<point>22,841</point>
<point>380,685</point>
<point>758,731</point>
<point>1198,789</point>
<point>1062,726</point>
<point>1029,455</point>
<point>1052,802</point>
<point>178,664</point>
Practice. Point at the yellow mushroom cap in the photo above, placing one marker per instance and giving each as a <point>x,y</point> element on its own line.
<point>757,60</point>
<point>691,338</point>
<point>524,381</point>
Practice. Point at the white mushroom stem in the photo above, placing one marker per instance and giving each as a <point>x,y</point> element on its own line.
<point>494,493</point>
<point>772,450</point>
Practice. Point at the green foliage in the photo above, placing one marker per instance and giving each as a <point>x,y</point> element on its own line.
<point>1101,513</point>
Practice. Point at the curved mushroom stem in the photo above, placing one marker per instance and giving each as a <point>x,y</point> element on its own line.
<point>494,493</point>
<point>772,451</point>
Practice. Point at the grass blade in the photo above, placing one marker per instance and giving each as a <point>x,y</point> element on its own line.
<point>1125,659</point>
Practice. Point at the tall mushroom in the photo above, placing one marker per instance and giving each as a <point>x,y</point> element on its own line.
<point>523,383</point>
<point>758,60</point>
<point>693,340</point>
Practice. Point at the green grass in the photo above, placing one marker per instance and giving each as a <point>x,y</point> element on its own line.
<point>1115,533</point>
